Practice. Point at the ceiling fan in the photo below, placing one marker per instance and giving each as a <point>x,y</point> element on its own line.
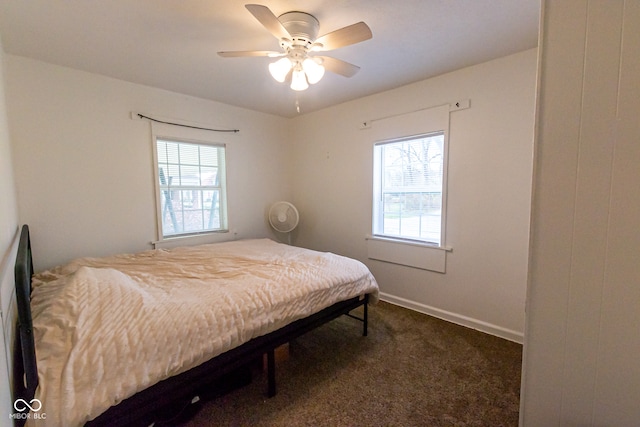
<point>297,33</point>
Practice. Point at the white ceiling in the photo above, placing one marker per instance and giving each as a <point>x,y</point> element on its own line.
<point>172,44</point>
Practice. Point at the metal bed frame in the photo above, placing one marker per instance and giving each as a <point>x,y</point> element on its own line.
<point>141,408</point>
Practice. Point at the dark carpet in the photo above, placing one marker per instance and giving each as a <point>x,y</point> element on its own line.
<point>412,370</point>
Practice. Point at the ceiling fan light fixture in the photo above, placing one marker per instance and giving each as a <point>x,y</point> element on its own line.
<point>299,80</point>
<point>280,69</point>
<point>314,69</point>
<point>297,34</point>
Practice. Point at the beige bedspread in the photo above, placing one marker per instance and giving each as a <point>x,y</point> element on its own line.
<point>106,328</point>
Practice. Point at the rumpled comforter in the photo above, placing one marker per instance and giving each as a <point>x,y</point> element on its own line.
<point>106,328</point>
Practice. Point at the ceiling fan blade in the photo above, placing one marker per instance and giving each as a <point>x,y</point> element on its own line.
<point>241,53</point>
<point>268,20</point>
<point>339,66</point>
<point>346,36</point>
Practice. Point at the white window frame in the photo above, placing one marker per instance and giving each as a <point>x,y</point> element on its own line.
<point>405,251</point>
<point>188,136</point>
<point>380,190</point>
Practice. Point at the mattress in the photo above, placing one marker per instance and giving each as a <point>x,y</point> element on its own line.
<point>106,328</point>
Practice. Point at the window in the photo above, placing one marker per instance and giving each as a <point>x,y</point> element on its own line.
<point>191,187</point>
<point>410,157</point>
<point>408,185</point>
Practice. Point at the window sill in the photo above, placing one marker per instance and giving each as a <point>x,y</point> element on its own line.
<point>194,239</point>
<point>408,253</point>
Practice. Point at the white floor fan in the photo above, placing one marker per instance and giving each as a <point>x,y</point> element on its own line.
<point>284,217</point>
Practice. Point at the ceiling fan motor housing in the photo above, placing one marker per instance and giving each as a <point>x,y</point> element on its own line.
<point>302,27</point>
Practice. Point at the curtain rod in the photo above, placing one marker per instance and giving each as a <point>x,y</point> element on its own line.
<point>142,116</point>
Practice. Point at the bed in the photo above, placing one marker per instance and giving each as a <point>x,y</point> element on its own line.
<point>119,338</point>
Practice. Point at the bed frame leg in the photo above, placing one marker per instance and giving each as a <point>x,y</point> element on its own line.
<point>271,373</point>
<point>365,320</point>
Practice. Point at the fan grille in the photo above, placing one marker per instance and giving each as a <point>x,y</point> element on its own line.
<point>283,216</point>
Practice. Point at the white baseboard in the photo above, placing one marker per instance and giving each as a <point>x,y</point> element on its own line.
<point>458,319</point>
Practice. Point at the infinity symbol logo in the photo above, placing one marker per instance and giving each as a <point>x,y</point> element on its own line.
<point>21,405</point>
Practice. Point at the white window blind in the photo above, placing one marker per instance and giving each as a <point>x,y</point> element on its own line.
<point>408,188</point>
<point>192,188</point>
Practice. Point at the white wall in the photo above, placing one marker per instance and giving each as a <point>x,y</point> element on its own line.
<point>8,247</point>
<point>583,315</point>
<point>84,169</point>
<point>490,168</point>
